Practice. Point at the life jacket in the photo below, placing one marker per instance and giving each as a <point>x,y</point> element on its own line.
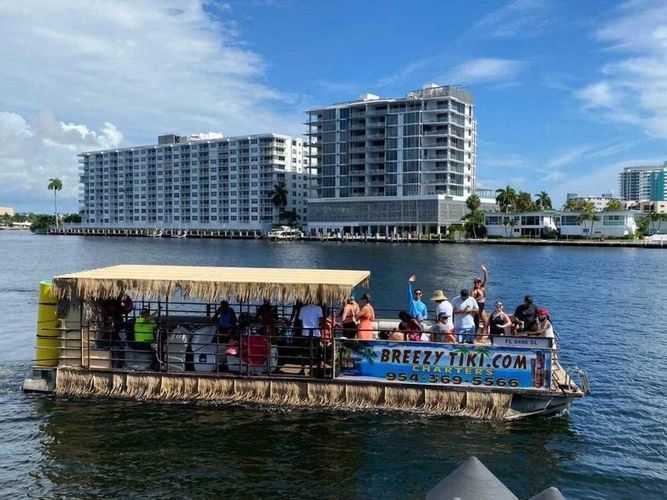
<point>144,330</point>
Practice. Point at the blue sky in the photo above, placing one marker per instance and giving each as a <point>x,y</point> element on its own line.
<point>567,92</point>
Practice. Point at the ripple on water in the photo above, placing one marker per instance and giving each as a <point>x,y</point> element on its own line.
<point>611,445</point>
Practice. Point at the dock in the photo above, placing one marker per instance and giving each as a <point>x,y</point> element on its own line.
<point>352,238</point>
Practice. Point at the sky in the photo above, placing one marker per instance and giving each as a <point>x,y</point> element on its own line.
<point>567,92</point>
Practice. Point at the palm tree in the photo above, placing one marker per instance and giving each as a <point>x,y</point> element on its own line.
<point>613,205</point>
<point>572,205</point>
<point>473,202</point>
<point>588,215</point>
<point>55,185</point>
<point>509,223</point>
<point>279,197</point>
<point>524,202</point>
<point>473,220</point>
<point>655,217</point>
<point>543,201</point>
<point>506,198</point>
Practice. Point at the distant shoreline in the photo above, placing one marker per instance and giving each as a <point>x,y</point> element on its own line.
<point>434,239</point>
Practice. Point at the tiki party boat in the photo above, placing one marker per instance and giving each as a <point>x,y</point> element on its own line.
<point>270,336</point>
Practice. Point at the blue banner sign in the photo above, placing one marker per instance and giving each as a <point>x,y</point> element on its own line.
<point>446,364</point>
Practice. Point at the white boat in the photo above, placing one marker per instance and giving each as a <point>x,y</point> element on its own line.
<point>285,233</point>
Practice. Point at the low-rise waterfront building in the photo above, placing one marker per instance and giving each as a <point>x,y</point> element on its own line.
<point>652,206</point>
<point>538,224</point>
<point>203,181</point>
<point>7,211</point>
<point>388,166</point>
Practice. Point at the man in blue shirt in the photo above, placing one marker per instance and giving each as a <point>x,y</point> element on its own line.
<point>416,307</point>
<point>225,317</point>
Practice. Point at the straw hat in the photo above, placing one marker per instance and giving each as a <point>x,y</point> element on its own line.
<point>438,295</point>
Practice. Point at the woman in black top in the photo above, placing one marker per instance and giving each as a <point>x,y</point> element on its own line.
<point>498,320</point>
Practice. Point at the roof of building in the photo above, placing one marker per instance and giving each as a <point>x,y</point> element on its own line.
<point>429,91</point>
<point>210,283</point>
<point>191,141</point>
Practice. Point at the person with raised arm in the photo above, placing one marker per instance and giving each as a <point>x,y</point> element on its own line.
<point>416,308</point>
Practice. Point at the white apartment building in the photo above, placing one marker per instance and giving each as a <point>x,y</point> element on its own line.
<point>203,181</point>
<point>394,165</point>
<point>539,223</point>
<point>599,202</point>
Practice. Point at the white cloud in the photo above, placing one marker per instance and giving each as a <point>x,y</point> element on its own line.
<point>31,153</point>
<point>518,17</point>
<point>633,87</point>
<point>406,71</point>
<point>483,70</point>
<point>148,67</point>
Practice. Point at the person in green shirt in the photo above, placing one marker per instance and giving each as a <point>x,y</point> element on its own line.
<point>144,329</point>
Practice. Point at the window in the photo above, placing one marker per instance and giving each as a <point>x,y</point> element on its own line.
<point>411,117</point>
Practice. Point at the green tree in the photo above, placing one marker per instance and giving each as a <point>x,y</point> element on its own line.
<point>655,220</point>
<point>76,218</point>
<point>279,198</point>
<point>473,202</point>
<point>474,219</point>
<point>588,215</point>
<point>41,222</point>
<point>543,201</point>
<point>509,223</point>
<point>643,225</point>
<point>572,205</point>
<point>290,217</point>
<point>613,205</point>
<point>505,198</point>
<point>524,202</point>
<point>55,185</point>
<point>473,223</point>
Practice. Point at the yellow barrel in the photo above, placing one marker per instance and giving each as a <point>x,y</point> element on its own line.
<point>47,347</point>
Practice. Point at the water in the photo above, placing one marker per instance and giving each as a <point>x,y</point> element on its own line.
<point>608,306</point>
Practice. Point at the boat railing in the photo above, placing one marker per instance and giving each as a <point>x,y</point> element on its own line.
<point>188,341</point>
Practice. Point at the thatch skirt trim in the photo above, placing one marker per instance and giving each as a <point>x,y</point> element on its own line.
<point>75,382</point>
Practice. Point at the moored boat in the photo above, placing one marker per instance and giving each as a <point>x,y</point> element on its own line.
<point>94,341</point>
<point>285,233</point>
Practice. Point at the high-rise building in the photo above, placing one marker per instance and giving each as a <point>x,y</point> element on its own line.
<point>643,183</point>
<point>203,181</point>
<point>394,165</point>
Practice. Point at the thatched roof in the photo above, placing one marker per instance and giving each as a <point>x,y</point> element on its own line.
<point>210,284</point>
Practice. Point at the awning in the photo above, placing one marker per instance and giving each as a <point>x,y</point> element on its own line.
<point>210,284</point>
